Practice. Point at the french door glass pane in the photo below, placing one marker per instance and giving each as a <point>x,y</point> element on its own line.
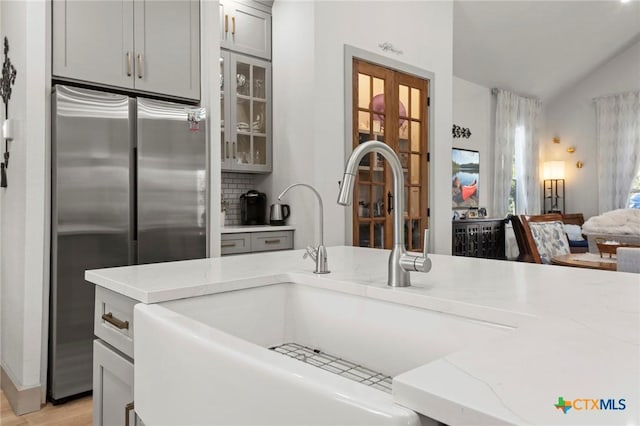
<point>364,122</point>
<point>415,103</point>
<point>403,92</point>
<point>415,136</point>
<point>378,169</point>
<point>364,239</point>
<point>414,201</point>
<point>378,88</point>
<point>415,169</point>
<point>378,201</point>
<point>364,91</point>
<point>364,201</point>
<point>378,235</point>
<point>416,234</point>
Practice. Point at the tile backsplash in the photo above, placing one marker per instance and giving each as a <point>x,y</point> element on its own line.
<point>233,186</point>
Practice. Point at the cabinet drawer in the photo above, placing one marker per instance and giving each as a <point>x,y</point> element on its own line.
<point>236,243</point>
<point>267,241</point>
<point>113,321</point>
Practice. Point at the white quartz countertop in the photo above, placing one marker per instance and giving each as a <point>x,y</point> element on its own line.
<point>576,331</point>
<point>255,228</point>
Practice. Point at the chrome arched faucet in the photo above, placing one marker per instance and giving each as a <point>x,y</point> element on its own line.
<point>318,254</point>
<point>400,262</point>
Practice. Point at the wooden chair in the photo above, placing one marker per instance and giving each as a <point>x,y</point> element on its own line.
<point>573,219</point>
<point>529,241</point>
<point>523,245</point>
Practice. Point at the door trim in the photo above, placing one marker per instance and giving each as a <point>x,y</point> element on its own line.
<point>351,52</point>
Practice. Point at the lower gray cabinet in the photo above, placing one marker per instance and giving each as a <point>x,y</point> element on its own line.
<point>253,242</point>
<point>112,387</point>
<point>113,360</point>
<point>236,243</point>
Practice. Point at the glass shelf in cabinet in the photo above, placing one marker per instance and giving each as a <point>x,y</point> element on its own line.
<point>250,133</point>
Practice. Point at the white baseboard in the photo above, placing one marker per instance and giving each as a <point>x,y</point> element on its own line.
<point>22,400</point>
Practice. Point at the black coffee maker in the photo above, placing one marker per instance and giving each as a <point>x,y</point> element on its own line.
<point>253,208</point>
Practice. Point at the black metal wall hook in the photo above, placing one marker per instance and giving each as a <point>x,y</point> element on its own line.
<point>9,74</point>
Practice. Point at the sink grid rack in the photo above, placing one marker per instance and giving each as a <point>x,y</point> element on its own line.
<point>333,364</point>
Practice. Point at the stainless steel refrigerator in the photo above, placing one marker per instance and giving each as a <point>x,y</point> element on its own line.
<point>128,187</point>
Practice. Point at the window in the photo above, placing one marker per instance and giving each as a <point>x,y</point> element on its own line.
<point>634,195</point>
<point>517,170</point>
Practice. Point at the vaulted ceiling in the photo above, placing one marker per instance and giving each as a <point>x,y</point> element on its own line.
<point>539,48</point>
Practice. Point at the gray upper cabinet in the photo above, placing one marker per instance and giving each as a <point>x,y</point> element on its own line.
<point>167,41</point>
<point>146,45</point>
<point>245,29</point>
<point>245,107</point>
<point>93,41</point>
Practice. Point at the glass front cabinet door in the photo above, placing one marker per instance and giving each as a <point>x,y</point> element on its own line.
<point>245,121</point>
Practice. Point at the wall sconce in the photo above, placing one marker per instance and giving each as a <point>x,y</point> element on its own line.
<point>556,139</point>
<point>571,150</point>
<point>579,164</point>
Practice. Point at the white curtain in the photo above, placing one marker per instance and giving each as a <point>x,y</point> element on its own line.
<point>618,142</point>
<point>516,132</point>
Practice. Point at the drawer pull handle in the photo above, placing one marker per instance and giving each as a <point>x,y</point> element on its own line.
<point>127,409</point>
<point>226,23</point>
<point>233,25</point>
<point>108,317</point>
<point>229,245</point>
<point>272,241</point>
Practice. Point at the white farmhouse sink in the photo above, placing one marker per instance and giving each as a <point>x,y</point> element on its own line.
<point>206,360</point>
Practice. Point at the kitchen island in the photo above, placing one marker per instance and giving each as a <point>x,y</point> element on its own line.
<point>574,333</point>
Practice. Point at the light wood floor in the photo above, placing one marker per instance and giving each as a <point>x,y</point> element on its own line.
<point>73,413</point>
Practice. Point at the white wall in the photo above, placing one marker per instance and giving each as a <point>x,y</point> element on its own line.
<point>23,265</point>
<point>309,103</point>
<point>293,73</point>
<point>472,108</point>
<point>571,116</point>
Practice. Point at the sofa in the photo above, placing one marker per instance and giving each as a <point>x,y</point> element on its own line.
<point>622,225</point>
